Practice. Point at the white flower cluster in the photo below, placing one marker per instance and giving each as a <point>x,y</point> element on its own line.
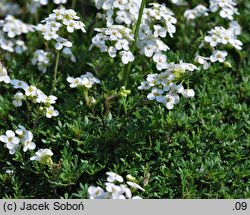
<point>227,8</point>
<point>4,77</point>
<point>113,39</point>
<point>12,142</point>
<point>58,19</point>
<point>87,80</point>
<point>157,22</point>
<point>119,11</point>
<point>164,87</point>
<point>220,36</point>
<point>9,8</point>
<point>35,95</point>
<point>11,27</point>
<point>115,188</point>
<point>41,59</point>
<point>199,11</point>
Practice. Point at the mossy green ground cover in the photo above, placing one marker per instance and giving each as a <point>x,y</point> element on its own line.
<point>200,149</point>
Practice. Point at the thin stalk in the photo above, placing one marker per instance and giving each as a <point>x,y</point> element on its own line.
<point>73,4</point>
<point>55,72</point>
<point>127,68</point>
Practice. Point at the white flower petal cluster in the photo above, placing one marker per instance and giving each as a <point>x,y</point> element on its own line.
<point>87,80</point>
<point>14,27</point>
<point>35,95</point>
<point>12,142</point>
<point>26,138</point>
<point>157,23</point>
<point>3,74</point>
<point>41,59</point>
<point>220,35</point>
<point>60,18</point>
<point>115,189</point>
<point>227,8</point>
<point>10,28</point>
<point>218,56</point>
<point>43,156</point>
<point>204,61</point>
<point>199,11</point>
<point>119,11</point>
<point>115,39</point>
<point>164,87</point>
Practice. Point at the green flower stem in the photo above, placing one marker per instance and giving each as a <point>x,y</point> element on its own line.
<point>86,97</point>
<point>55,72</point>
<point>127,68</point>
<point>73,4</point>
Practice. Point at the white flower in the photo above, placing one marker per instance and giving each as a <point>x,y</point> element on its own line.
<point>218,56</point>
<point>43,156</point>
<point>96,193</point>
<point>50,112</point>
<point>62,42</point>
<point>134,185</point>
<point>31,91</point>
<point>198,11</point>
<point>127,56</point>
<point>113,177</point>
<point>74,82</point>
<point>112,188</point>
<point>10,140</point>
<point>156,94</point>
<point>27,142</point>
<point>203,61</point>
<point>169,101</point>
<point>18,97</point>
<point>187,93</point>
<point>41,58</point>
<point>42,98</point>
<point>3,74</point>
<point>18,84</point>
